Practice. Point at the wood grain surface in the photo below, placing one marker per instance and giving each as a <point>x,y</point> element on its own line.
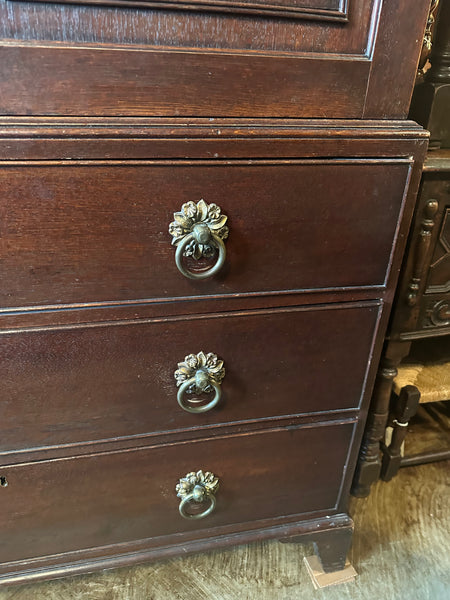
<point>99,231</point>
<point>116,498</point>
<point>166,62</point>
<point>69,24</point>
<point>401,550</point>
<point>276,363</point>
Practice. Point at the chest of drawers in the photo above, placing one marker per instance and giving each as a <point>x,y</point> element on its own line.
<point>201,230</point>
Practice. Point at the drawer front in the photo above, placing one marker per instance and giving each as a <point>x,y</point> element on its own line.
<point>105,382</point>
<point>284,58</point>
<point>89,233</point>
<point>63,505</point>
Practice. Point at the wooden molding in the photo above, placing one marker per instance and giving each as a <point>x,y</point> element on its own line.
<point>323,10</point>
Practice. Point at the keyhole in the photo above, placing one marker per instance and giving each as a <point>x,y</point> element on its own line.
<point>3,482</point>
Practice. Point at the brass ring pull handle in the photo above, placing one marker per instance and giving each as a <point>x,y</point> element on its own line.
<point>198,231</point>
<point>197,489</point>
<point>195,237</point>
<point>197,409</point>
<point>198,374</point>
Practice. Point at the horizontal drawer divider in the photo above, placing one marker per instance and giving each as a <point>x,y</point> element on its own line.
<point>169,127</point>
<point>188,317</point>
<point>243,162</point>
<point>181,436</point>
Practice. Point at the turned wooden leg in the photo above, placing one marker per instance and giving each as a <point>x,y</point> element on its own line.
<point>369,461</point>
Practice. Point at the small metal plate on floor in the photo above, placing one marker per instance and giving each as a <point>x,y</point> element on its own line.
<point>321,579</point>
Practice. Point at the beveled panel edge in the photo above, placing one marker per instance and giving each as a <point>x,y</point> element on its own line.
<point>90,559</point>
<point>255,8</point>
<point>149,440</point>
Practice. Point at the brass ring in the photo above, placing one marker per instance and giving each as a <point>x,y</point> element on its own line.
<point>198,409</point>
<point>218,242</point>
<point>201,515</point>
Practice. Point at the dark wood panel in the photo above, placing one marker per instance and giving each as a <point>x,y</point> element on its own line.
<point>82,81</point>
<point>395,55</point>
<point>84,233</point>
<point>63,505</point>
<point>324,74</point>
<point>336,10</point>
<point>93,383</point>
<point>70,24</point>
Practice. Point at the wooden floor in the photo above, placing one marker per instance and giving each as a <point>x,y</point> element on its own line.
<point>401,551</point>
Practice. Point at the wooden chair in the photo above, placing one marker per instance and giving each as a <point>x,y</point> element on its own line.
<point>416,383</point>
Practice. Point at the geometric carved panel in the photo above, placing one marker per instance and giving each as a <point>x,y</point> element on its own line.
<point>329,10</point>
<point>439,273</point>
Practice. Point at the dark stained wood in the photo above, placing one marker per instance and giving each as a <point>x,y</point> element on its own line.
<point>421,307</point>
<point>222,74</point>
<point>332,548</point>
<point>425,458</point>
<point>25,138</point>
<point>395,56</point>
<point>269,569</point>
<point>140,553</point>
<point>433,277</point>
<point>432,96</point>
<point>331,544</point>
<point>158,82</point>
<point>405,408</point>
<point>439,274</point>
<point>277,362</point>
<point>94,232</point>
<point>119,497</point>
<point>369,462</point>
<point>110,119</point>
<point>330,10</point>
<point>147,29</point>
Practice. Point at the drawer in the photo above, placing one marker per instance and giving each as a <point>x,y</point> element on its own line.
<point>224,58</point>
<point>64,505</point>
<point>90,232</point>
<point>104,382</point>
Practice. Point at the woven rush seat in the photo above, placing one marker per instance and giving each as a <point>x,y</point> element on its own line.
<point>432,380</point>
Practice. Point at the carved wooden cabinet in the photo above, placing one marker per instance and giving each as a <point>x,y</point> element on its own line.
<point>421,315</point>
<point>203,211</point>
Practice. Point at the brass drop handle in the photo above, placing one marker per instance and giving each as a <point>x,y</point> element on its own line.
<point>197,374</point>
<point>198,230</point>
<point>197,488</point>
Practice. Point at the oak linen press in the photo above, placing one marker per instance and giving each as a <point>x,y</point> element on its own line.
<point>203,210</point>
